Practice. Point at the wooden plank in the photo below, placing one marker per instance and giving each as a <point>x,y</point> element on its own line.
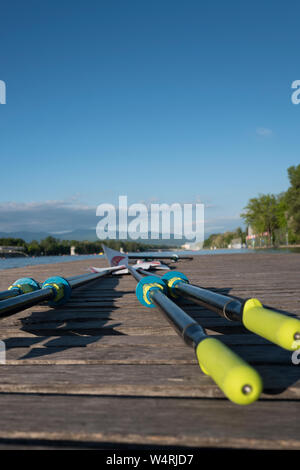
<point>143,354</point>
<point>171,421</point>
<point>26,340</point>
<point>173,380</point>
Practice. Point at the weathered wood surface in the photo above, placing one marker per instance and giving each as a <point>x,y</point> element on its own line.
<point>104,371</point>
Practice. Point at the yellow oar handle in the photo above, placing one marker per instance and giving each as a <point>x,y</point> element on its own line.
<point>277,328</point>
<point>239,381</point>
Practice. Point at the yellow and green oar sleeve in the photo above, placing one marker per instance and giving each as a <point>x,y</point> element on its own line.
<point>237,379</point>
<point>277,328</point>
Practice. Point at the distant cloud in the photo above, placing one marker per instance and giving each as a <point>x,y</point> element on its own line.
<point>223,224</point>
<point>60,217</point>
<point>49,216</point>
<point>264,132</point>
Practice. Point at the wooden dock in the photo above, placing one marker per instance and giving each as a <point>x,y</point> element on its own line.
<point>105,372</point>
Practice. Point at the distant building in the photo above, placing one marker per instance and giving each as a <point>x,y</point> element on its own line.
<point>8,249</point>
<point>192,246</point>
<point>12,251</point>
<point>236,244</point>
<point>257,239</point>
<point>186,246</point>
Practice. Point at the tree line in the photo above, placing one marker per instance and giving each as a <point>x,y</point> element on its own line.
<point>222,240</point>
<point>278,215</point>
<point>53,246</point>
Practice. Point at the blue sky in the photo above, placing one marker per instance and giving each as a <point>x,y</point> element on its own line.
<point>159,100</point>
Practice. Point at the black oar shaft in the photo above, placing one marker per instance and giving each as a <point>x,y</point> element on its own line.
<point>16,304</point>
<point>137,276</point>
<point>84,279</point>
<point>185,326</point>
<point>21,302</point>
<point>7,294</point>
<point>274,326</point>
<point>225,306</point>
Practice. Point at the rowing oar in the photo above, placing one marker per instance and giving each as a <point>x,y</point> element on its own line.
<point>19,287</point>
<point>278,328</point>
<point>25,285</point>
<point>237,379</point>
<point>56,290</point>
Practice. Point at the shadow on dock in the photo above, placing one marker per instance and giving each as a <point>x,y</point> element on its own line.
<point>82,321</point>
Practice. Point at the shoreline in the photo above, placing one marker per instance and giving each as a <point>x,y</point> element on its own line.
<point>25,264</point>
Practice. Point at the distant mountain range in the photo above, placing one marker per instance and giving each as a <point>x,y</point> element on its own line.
<point>79,235</point>
<point>82,235</point>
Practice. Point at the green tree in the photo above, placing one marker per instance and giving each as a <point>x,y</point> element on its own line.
<point>12,242</point>
<point>292,199</point>
<point>262,214</point>
<point>49,246</point>
<point>282,210</point>
<point>222,240</point>
<point>33,248</point>
<point>241,234</point>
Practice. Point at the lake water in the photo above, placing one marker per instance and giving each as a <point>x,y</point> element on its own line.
<point>7,263</point>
